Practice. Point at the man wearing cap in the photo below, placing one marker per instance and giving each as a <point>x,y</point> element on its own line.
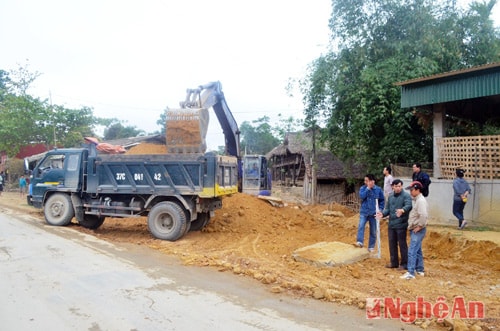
<point>369,194</point>
<point>397,208</point>
<point>417,225</point>
<point>461,190</point>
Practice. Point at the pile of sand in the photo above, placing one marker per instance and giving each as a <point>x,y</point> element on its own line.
<point>250,237</point>
<point>185,130</point>
<point>145,148</point>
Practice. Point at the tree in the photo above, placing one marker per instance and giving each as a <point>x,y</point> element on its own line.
<point>29,120</point>
<point>257,139</point>
<point>4,80</point>
<point>381,42</point>
<point>162,122</point>
<point>23,122</point>
<point>72,125</point>
<point>20,79</point>
<point>285,125</point>
<point>117,131</point>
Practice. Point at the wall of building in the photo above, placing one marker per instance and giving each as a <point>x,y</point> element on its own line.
<point>482,208</point>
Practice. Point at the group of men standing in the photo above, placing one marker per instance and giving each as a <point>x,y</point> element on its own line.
<point>407,213</point>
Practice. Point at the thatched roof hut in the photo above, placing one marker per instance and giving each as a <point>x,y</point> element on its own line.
<point>292,166</point>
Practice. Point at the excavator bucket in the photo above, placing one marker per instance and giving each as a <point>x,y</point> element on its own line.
<point>186,130</point>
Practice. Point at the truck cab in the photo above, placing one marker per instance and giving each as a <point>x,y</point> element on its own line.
<point>59,169</point>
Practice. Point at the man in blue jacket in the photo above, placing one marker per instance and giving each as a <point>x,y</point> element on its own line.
<point>368,194</point>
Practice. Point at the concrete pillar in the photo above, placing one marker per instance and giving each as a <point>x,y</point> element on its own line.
<point>438,131</point>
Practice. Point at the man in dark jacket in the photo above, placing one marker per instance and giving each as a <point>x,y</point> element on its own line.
<point>397,208</point>
<point>422,177</point>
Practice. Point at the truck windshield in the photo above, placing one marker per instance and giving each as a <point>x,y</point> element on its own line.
<point>55,161</point>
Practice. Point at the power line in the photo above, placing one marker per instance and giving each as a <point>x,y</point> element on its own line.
<point>264,111</point>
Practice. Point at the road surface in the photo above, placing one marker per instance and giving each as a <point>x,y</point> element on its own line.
<point>55,278</point>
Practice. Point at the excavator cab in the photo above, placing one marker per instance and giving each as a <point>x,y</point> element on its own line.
<point>256,176</point>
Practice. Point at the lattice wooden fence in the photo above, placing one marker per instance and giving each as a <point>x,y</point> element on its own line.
<point>478,155</point>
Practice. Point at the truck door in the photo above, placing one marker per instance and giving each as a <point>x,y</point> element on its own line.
<point>50,171</point>
<point>72,173</point>
<point>61,170</point>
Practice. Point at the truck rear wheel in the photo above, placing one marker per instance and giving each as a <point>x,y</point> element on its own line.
<point>92,221</point>
<point>201,221</point>
<point>58,209</point>
<point>167,221</point>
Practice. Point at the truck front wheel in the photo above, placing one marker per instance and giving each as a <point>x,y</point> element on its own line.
<point>167,221</point>
<point>58,209</point>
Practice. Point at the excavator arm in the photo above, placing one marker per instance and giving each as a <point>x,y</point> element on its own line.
<point>186,127</point>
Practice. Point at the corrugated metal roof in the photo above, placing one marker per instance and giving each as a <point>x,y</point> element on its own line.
<point>463,84</point>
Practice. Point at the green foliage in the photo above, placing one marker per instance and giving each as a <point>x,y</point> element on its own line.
<point>28,120</point>
<point>4,79</point>
<point>221,150</point>
<point>72,125</point>
<point>116,130</point>
<point>162,122</point>
<point>285,125</point>
<point>257,139</point>
<point>481,40</point>
<point>21,79</point>
<point>379,43</point>
<point>19,116</point>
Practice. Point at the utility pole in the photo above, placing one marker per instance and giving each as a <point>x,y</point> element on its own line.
<point>313,165</point>
<point>53,119</point>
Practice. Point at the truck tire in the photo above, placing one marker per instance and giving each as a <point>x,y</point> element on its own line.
<point>92,221</point>
<point>167,221</point>
<point>200,222</point>
<point>58,209</point>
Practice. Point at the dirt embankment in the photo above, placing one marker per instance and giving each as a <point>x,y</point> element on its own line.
<point>250,237</point>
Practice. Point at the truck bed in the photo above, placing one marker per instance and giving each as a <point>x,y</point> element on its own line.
<point>146,174</point>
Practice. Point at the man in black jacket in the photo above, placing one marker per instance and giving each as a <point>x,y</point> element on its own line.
<point>422,177</point>
<point>397,208</point>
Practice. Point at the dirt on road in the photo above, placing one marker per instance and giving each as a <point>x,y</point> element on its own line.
<point>250,237</point>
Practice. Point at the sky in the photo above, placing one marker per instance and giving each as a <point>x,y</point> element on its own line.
<point>131,59</point>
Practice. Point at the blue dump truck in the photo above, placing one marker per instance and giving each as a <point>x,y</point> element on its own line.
<point>177,192</point>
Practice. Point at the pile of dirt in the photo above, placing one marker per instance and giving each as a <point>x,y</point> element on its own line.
<point>185,130</point>
<point>147,148</point>
<point>250,237</point>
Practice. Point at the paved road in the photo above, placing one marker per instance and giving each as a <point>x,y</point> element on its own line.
<point>54,278</point>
